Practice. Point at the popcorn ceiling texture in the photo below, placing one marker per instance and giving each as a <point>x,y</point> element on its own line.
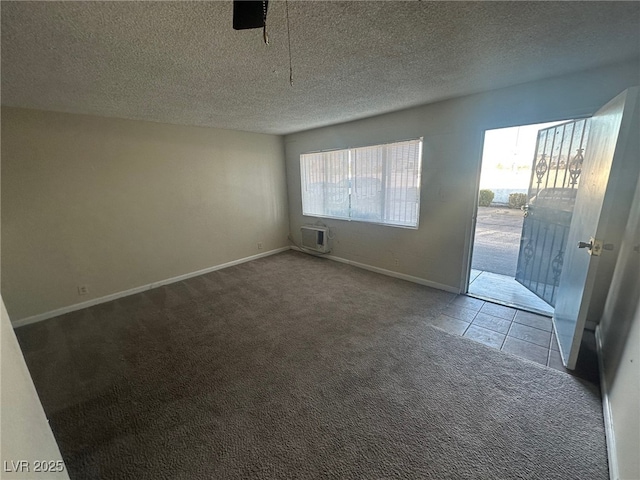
<point>181,62</point>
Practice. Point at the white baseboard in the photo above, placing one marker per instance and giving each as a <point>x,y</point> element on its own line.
<point>606,412</point>
<point>389,273</point>
<point>114,296</point>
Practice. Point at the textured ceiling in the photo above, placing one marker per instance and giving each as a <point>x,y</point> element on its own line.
<point>181,62</point>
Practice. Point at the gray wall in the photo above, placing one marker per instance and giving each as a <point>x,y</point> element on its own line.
<point>117,204</point>
<point>453,134</point>
<point>619,333</point>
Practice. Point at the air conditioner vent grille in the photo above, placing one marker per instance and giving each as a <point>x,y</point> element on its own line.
<point>315,238</point>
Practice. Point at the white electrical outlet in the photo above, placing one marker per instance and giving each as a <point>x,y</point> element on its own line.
<point>396,262</point>
<point>83,289</point>
<point>259,245</point>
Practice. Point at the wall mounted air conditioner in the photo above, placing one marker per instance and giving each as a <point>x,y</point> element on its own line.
<point>315,238</point>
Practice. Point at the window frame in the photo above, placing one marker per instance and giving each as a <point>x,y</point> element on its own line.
<point>350,178</point>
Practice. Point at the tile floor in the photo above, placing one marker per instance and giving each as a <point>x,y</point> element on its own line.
<point>515,331</point>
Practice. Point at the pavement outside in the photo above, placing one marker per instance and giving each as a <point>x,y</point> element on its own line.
<point>497,240</point>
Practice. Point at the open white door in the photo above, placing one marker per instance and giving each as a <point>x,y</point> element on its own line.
<point>603,201</point>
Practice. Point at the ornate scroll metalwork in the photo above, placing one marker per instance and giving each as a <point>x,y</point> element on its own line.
<point>541,167</point>
<point>556,267</point>
<point>575,166</point>
<point>528,252</point>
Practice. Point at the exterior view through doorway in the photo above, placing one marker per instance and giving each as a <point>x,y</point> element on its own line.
<point>516,255</point>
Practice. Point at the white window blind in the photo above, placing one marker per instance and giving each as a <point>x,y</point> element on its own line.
<point>379,184</point>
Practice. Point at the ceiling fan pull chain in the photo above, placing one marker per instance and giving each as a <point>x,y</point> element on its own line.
<point>265,36</point>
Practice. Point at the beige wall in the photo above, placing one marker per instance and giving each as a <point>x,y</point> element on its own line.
<point>453,136</point>
<point>25,435</point>
<point>24,430</point>
<point>619,334</point>
<point>117,204</point>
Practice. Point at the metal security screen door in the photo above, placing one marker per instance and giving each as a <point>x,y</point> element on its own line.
<point>555,176</point>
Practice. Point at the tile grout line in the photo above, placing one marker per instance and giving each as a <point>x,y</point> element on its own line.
<point>533,343</point>
<point>506,335</point>
<point>492,330</point>
<point>468,326</point>
<point>530,343</point>
<point>544,330</point>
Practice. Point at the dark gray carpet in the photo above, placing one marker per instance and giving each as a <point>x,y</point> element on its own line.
<point>298,367</point>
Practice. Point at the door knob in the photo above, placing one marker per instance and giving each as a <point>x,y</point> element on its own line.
<point>593,246</point>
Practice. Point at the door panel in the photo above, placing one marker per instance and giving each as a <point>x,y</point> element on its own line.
<point>609,174</point>
<point>555,176</point>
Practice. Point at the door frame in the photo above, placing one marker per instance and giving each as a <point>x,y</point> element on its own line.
<point>471,225</point>
<point>470,236</point>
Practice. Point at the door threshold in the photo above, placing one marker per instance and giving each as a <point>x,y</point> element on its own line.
<point>524,308</point>
<point>505,290</point>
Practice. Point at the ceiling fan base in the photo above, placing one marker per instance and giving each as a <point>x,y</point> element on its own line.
<point>249,14</point>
